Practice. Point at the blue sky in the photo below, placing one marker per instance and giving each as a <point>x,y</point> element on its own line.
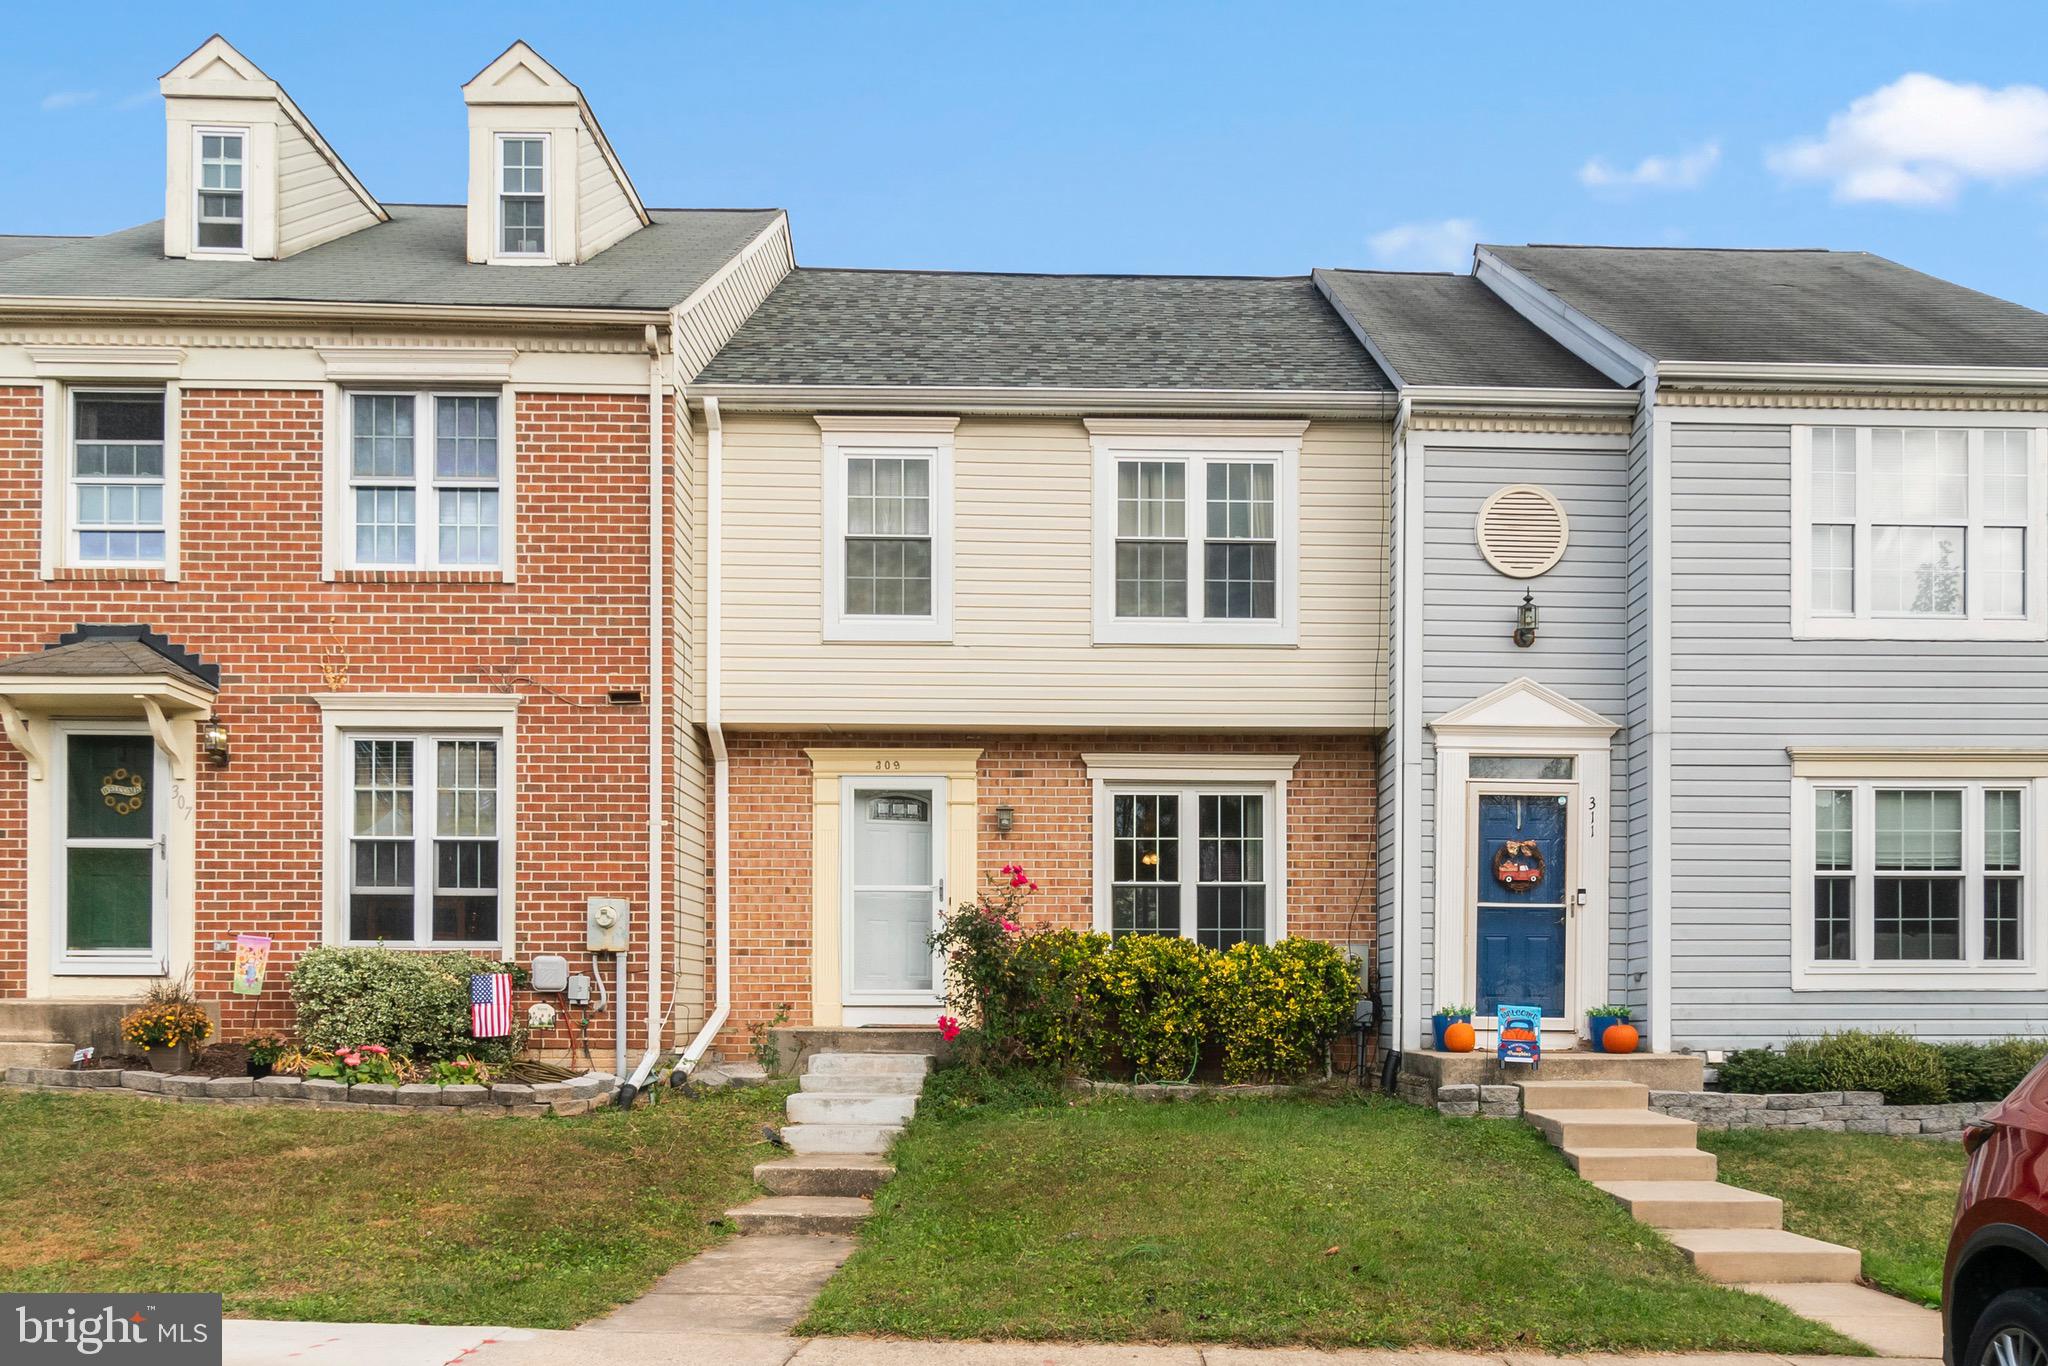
<point>1254,139</point>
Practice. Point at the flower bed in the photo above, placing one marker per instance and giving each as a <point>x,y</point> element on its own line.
<point>573,1097</point>
<point>1152,1008</point>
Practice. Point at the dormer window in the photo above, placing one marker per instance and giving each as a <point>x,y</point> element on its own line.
<point>220,223</point>
<point>522,195</point>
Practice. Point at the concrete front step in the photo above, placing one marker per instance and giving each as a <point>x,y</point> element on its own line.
<point>868,1083</point>
<point>826,1107</point>
<point>1585,1095</point>
<point>840,1138</point>
<point>868,1065</point>
<point>1695,1204</point>
<point>19,1053</point>
<point>1583,1129</point>
<point>796,1045</point>
<point>1643,1164</point>
<point>824,1174</point>
<point>1734,1255</point>
<point>801,1214</point>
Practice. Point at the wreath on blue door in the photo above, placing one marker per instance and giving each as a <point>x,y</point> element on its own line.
<point>1518,865</point>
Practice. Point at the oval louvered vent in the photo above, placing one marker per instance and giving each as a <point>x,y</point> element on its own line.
<point>1522,531</point>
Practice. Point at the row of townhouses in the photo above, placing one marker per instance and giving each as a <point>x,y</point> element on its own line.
<point>414,574</point>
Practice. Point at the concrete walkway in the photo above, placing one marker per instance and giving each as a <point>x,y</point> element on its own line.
<point>1887,1325</point>
<point>252,1343</point>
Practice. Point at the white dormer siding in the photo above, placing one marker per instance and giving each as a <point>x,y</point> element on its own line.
<point>248,176</point>
<point>531,134</point>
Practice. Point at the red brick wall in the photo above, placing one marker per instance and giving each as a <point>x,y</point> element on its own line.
<point>251,599</point>
<point>1330,847</point>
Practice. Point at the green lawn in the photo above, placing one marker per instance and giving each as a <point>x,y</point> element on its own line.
<point>318,1214</point>
<point>1355,1222</point>
<point>1891,1197</point>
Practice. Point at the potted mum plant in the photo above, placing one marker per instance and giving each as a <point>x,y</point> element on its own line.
<point>168,1026</point>
<point>1601,1019</point>
<point>1453,1026</point>
<point>264,1051</point>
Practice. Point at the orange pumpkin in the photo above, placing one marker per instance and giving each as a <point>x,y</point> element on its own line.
<point>1458,1037</point>
<point>1620,1037</point>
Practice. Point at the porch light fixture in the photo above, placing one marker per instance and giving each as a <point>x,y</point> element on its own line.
<point>213,739</point>
<point>1525,621</point>
<point>1006,820</point>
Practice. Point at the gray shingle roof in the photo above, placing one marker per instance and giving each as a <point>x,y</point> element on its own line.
<point>1793,307</point>
<point>103,651</point>
<point>419,257</point>
<point>1452,330</point>
<point>917,328</point>
<point>21,244</point>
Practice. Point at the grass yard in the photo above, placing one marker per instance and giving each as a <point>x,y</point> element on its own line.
<point>320,1214</point>
<point>1355,1222</point>
<point>1891,1197</point>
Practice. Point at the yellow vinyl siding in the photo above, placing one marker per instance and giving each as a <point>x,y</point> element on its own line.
<point>603,212</point>
<point>315,203</point>
<point>1022,654</point>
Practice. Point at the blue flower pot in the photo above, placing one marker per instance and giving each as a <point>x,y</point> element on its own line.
<point>1596,1027</point>
<point>1440,1023</point>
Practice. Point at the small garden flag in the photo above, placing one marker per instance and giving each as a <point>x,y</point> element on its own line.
<point>490,1004</point>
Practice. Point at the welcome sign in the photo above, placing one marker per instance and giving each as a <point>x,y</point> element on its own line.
<point>1519,1034</point>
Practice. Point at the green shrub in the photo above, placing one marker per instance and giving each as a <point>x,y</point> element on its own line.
<point>415,1004</point>
<point>1989,1071</point>
<point>1276,1008</point>
<point>1066,1002</point>
<point>1760,1071</point>
<point>1907,1070</point>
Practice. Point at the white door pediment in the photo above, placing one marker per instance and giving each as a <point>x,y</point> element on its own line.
<point>1523,705</point>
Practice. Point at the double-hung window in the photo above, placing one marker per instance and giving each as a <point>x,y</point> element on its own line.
<point>118,492</point>
<point>1919,532</point>
<point>888,528</point>
<point>523,194</point>
<point>1915,880</point>
<point>425,854</point>
<point>425,476</point>
<point>219,165</point>
<point>1194,531</point>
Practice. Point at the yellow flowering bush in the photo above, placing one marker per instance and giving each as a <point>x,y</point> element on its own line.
<point>167,1017</point>
<point>1151,1006</point>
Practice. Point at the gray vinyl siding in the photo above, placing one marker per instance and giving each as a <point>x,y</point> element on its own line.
<point>1469,610</point>
<point>1631,965</point>
<point>1742,691</point>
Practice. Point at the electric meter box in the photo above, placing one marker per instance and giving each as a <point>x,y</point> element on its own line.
<point>607,924</point>
<point>550,972</point>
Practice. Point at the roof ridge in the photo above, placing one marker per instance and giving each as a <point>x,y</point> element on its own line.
<point>1042,274</point>
<point>1622,246</point>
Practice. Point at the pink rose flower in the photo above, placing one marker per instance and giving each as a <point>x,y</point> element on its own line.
<point>949,1028</point>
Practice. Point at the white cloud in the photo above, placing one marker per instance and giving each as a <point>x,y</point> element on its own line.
<point>136,100</point>
<point>59,100</point>
<point>1686,170</point>
<point>1920,139</point>
<point>1444,244</point>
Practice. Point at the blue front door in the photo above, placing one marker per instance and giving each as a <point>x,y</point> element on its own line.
<point>1523,885</point>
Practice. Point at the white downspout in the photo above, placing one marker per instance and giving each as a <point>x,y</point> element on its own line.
<point>657,706</point>
<point>714,695</point>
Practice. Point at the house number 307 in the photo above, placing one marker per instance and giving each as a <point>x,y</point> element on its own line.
<point>888,765</point>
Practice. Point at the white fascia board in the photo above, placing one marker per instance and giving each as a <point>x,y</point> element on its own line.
<point>1804,376</point>
<point>1579,334</point>
<point>1467,398</point>
<point>1028,400</point>
<point>230,310</point>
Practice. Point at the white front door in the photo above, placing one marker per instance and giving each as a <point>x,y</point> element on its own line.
<point>112,861</point>
<point>893,889</point>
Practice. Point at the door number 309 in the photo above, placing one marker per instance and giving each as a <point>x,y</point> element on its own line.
<point>888,765</point>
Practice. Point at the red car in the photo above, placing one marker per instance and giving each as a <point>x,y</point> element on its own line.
<point>1995,1284</point>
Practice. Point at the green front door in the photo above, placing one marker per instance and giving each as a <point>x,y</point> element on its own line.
<point>112,859</point>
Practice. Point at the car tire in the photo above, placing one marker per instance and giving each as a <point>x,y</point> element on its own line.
<point>2012,1331</point>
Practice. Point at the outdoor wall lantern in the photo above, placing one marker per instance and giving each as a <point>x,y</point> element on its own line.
<point>1006,820</point>
<point>1525,621</point>
<point>213,738</point>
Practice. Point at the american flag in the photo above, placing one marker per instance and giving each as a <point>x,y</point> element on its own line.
<point>490,1004</point>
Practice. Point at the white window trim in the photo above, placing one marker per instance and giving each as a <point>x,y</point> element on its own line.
<point>245,252</point>
<point>59,421</point>
<point>1808,624</point>
<point>845,438</point>
<point>546,255</point>
<point>1266,775</point>
<point>339,542</point>
<point>151,962</point>
<point>1973,972</point>
<point>431,716</point>
<point>1196,443</point>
